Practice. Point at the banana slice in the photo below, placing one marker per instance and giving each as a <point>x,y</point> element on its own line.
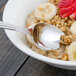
<point>45,11</point>
<point>73,28</point>
<point>72,52</point>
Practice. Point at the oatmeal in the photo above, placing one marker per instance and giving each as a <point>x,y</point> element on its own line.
<point>62,17</point>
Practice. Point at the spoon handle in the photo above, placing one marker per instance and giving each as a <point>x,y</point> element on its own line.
<point>8,26</point>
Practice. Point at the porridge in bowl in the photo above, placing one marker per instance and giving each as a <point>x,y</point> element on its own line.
<point>62,14</point>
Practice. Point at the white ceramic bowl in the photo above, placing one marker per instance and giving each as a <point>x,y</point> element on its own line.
<point>16,12</point>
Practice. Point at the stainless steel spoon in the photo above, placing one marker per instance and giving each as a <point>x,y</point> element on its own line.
<point>44,35</point>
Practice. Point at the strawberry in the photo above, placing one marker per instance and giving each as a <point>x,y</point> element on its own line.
<point>73,16</point>
<point>67,8</point>
<point>65,15</point>
<point>66,11</point>
<point>65,3</point>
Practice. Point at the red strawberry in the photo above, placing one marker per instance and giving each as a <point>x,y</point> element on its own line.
<point>65,15</point>
<point>65,3</point>
<point>73,16</point>
<point>64,12</point>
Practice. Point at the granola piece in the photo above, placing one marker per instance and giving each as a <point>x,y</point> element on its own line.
<point>66,30</point>
<point>52,1</point>
<point>65,57</point>
<point>68,39</point>
<point>55,2</point>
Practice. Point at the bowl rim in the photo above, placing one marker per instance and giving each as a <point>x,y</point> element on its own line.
<point>36,56</point>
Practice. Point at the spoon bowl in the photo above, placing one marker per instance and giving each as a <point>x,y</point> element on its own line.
<point>47,36</point>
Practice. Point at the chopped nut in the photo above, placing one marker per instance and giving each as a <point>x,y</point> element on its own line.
<point>51,1</point>
<point>65,57</point>
<point>48,22</point>
<point>56,53</point>
<point>41,52</point>
<point>41,20</point>
<point>58,25</point>
<point>57,1</point>
<point>36,21</point>
<point>34,18</point>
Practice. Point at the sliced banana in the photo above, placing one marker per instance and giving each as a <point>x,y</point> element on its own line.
<point>72,51</point>
<point>45,11</point>
<point>73,28</point>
